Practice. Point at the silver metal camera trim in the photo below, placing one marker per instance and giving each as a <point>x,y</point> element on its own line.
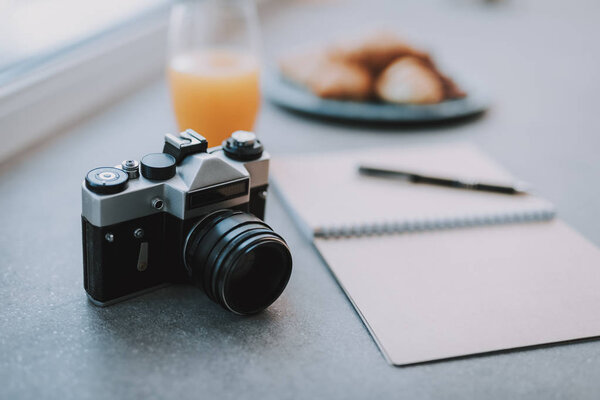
<point>196,172</point>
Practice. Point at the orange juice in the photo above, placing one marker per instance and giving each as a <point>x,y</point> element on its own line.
<point>215,92</point>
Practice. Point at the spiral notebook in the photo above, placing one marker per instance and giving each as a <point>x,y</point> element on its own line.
<point>436,272</point>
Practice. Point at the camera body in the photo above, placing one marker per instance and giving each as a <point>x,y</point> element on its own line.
<point>135,225</point>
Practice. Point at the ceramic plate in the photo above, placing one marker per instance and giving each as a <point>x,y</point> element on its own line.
<point>289,95</point>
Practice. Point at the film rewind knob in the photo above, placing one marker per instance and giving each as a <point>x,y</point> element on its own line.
<point>106,180</point>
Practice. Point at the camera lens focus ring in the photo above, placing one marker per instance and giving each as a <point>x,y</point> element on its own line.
<point>224,289</point>
<point>226,251</point>
<point>193,252</point>
<point>238,261</point>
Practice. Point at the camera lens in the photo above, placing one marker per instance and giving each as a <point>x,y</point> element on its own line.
<point>238,261</point>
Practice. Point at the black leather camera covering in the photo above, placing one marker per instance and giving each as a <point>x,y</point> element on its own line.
<point>110,268</point>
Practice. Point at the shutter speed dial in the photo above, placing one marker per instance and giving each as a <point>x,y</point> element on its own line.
<point>243,146</point>
<point>158,166</point>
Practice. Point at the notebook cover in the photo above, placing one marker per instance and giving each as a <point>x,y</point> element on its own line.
<point>433,295</point>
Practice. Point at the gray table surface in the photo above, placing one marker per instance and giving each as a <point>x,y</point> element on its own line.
<point>539,60</point>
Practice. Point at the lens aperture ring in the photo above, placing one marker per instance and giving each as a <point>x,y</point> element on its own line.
<point>221,247</point>
<point>203,238</point>
<point>229,248</point>
<point>218,236</point>
<point>235,258</point>
<point>196,238</point>
<point>234,254</point>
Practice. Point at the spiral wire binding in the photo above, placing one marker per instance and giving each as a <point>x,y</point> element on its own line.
<point>433,224</point>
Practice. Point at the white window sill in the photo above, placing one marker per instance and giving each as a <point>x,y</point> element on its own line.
<point>67,90</point>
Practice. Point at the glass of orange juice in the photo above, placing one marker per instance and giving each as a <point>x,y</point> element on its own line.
<point>213,66</point>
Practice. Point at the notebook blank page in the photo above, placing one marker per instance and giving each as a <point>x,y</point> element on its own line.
<point>433,295</point>
<point>326,191</point>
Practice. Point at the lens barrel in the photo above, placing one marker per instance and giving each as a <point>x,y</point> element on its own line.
<point>238,260</point>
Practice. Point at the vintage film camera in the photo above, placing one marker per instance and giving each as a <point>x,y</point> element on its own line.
<point>188,214</point>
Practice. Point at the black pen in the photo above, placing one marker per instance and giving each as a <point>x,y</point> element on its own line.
<point>432,180</point>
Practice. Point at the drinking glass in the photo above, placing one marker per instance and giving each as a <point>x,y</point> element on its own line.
<point>213,66</point>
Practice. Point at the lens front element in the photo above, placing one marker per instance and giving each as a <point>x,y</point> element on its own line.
<point>238,261</point>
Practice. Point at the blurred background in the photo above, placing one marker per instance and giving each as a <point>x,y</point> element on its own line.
<point>63,61</point>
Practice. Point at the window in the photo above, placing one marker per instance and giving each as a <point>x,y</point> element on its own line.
<point>35,32</point>
<point>61,60</point>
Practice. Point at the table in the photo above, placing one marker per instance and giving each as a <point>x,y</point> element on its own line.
<point>539,60</point>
